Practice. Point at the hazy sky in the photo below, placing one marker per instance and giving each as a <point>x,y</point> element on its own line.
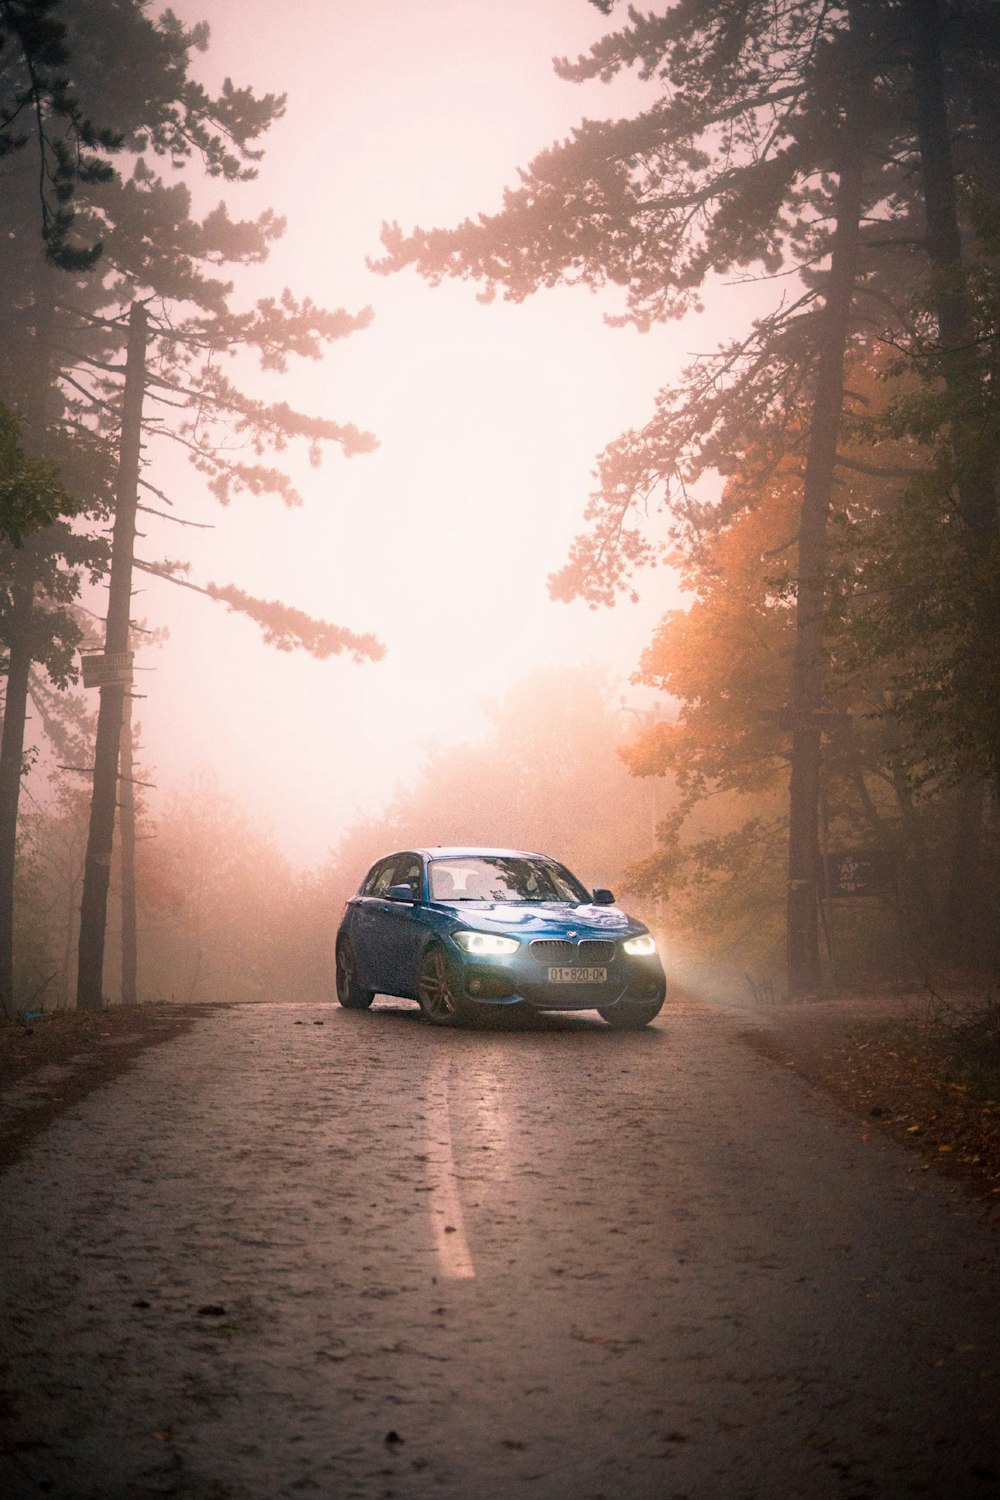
<point>489,418</point>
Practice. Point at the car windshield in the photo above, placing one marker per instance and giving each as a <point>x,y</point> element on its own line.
<point>503,877</point>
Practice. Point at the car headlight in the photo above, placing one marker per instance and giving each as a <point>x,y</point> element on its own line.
<point>640,947</point>
<point>486,944</point>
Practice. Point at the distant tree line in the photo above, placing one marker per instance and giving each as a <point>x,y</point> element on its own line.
<point>224,915</point>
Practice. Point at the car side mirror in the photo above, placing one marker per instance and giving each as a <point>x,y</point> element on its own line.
<point>603,897</point>
<point>400,893</point>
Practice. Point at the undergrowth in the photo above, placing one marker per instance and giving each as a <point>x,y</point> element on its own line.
<point>934,1079</point>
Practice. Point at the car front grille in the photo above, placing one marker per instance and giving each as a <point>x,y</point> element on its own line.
<point>552,951</point>
<point>560,951</point>
<point>596,951</point>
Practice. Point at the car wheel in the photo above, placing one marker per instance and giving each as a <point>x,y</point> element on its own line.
<point>627,1016</point>
<point>437,990</point>
<point>350,992</point>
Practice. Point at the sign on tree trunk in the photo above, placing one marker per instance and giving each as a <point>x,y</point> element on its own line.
<point>107,669</point>
<point>858,872</point>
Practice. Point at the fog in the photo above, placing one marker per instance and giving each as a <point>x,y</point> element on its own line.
<point>488,420</point>
<point>480,422</point>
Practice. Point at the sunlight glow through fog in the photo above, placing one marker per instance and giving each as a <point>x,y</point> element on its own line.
<point>488,418</point>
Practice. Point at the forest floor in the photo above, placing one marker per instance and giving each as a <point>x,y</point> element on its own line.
<point>919,1067</point>
<point>50,1063</point>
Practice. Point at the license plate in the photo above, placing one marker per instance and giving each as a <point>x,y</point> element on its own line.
<point>577,976</point>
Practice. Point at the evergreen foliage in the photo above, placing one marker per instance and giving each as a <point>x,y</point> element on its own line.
<point>39,104</point>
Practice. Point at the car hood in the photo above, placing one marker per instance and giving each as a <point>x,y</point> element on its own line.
<point>544,919</point>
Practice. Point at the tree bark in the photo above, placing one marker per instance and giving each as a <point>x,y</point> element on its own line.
<point>804,864</point>
<point>97,868</point>
<point>130,942</point>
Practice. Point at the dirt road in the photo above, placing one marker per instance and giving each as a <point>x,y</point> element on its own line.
<point>302,1251</point>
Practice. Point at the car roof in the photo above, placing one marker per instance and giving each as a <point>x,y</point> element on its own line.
<point>459,851</point>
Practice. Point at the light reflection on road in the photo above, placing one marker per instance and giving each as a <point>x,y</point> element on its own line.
<point>447,1218</point>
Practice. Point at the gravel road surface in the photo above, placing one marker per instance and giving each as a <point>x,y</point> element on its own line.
<point>299,1251</point>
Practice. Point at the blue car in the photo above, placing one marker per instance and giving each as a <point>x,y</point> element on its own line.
<point>464,931</point>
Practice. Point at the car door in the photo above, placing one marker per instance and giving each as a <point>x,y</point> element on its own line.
<point>401,928</point>
<point>367,928</point>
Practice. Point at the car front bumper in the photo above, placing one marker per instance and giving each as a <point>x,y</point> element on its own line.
<point>522,980</point>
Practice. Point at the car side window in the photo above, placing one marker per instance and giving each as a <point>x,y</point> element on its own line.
<point>409,871</point>
<point>380,879</point>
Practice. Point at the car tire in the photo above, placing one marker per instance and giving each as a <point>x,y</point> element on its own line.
<point>629,1016</point>
<point>350,992</point>
<point>437,990</point>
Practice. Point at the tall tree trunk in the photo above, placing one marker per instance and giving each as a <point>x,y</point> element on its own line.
<point>975,460</point>
<point>11,760</point>
<point>126,800</point>
<point>20,654</point>
<point>97,869</point>
<point>804,866</point>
